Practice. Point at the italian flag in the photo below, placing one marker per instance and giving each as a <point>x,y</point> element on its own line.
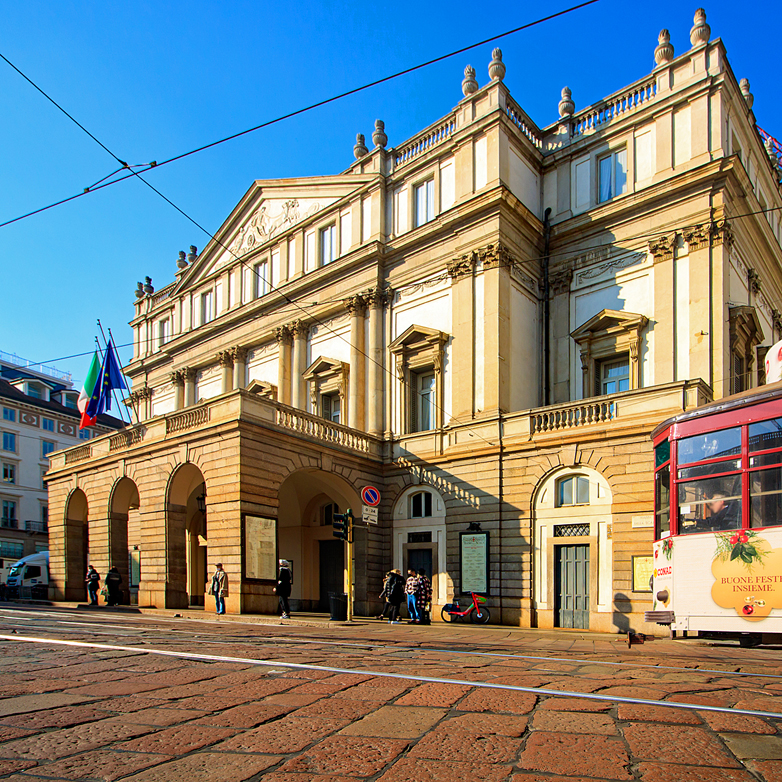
<point>87,392</point>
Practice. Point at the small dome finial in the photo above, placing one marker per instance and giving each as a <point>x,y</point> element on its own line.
<point>700,32</point>
<point>379,138</point>
<point>360,149</point>
<point>664,51</point>
<point>139,290</point>
<point>181,261</point>
<point>566,105</point>
<point>148,289</point>
<point>496,66</point>
<point>749,98</point>
<point>469,83</point>
<point>193,254</point>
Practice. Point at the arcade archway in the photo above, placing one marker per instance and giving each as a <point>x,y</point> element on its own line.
<point>77,545</point>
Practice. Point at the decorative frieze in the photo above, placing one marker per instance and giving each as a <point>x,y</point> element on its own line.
<point>615,265</point>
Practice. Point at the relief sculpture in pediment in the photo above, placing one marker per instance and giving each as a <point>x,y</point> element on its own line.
<point>271,218</point>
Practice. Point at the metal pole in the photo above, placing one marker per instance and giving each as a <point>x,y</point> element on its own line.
<point>350,565</point>
<point>132,405</point>
<point>113,390</point>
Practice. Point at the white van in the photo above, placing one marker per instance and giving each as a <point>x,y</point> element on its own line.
<point>29,577</point>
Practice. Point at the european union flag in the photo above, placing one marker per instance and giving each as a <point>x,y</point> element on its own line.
<point>109,378</point>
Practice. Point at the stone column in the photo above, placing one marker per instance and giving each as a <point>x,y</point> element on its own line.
<point>284,340</point>
<point>356,306</point>
<point>239,356</point>
<point>190,386</point>
<point>378,298</point>
<point>460,271</point>
<point>663,249</point>
<point>496,335</point>
<point>298,383</point>
<point>178,379</point>
<point>225,357</point>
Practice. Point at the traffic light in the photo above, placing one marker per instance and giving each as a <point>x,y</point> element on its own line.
<point>342,524</point>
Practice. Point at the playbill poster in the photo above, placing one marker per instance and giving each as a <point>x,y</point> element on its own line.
<point>260,547</point>
<point>475,561</point>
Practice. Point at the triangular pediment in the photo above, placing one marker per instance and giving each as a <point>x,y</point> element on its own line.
<point>262,388</point>
<point>324,366</point>
<point>268,210</point>
<point>414,335</point>
<point>607,321</point>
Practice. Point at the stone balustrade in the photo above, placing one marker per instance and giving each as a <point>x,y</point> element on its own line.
<point>573,415</point>
<point>631,98</point>
<point>521,120</point>
<point>78,454</point>
<point>424,141</point>
<point>187,419</point>
<point>161,295</point>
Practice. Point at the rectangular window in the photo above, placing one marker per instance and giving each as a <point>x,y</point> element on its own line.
<point>421,505</point>
<point>662,501</point>
<point>45,515</point>
<point>614,376</point>
<point>328,244</point>
<point>714,445</point>
<point>424,202</point>
<point>9,473</point>
<point>207,307</point>
<point>710,505</point>
<point>737,374</point>
<point>612,172</point>
<point>9,414</point>
<point>424,402</point>
<point>48,424</point>
<point>47,447</point>
<point>9,514</point>
<point>9,442</point>
<point>12,551</point>
<point>163,331</point>
<point>84,434</point>
<point>765,495</point>
<point>34,391</point>
<point>261,279</point>
<point>69,402</point>
<point>573,490</point>
<point>330,407</point>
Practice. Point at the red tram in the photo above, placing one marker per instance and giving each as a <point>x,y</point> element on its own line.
<point>717,564</point>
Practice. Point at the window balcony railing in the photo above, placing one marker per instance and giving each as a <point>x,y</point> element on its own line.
<point>36,526</point>
<point>9,524</point>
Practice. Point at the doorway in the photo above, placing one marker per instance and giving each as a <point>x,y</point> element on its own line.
<point>332,570</point>
<point>572,586</point>
<point>418,558</point>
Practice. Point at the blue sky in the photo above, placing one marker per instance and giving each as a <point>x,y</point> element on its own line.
<point>154,79</point>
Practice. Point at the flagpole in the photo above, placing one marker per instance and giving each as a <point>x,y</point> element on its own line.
<point>133,406</point>
<point>113,390</point>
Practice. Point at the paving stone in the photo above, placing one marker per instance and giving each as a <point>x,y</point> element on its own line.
<point>532,777</point>
<point>283,776</point>
<point>100,764</point>
<point>215,701</point>
<point>746,746</point>
<point>638,711</point>
<point>485,699</point>
<point>161,716</point>
<point>681,744</point>
<point>573,704</point>
<point>433,694</point>
<point>647,693</point>
<point>28,703</point>
<point>178,740</point>
<point>347,756</point>
<point>9,766</point>
<point>57,718</point>
<point>572,722</point>
<point>249,715</point>
<point>770,769</point>
<point>564,753</point>
<point>466,746</point>
<point>207,767</point>
<point>373,692</point>
<point>341,708</point>
<point>722,722</point>
<point>664,772</point>
<point>498,724</point>
<point>291,734</point>
<point>422,770</point>
<point>8,732</point>
<point>396,722</point>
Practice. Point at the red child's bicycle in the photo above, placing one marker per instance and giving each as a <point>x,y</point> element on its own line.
<point>452,612</point>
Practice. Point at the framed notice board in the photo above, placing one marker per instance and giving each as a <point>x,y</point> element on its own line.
<point>259,548</point>
<point>474,561</point>
<point>642,572</point>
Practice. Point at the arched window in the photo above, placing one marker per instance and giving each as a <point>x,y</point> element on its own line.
<point>420,504</point>
<point>572,490</point>
<point>327,513</point>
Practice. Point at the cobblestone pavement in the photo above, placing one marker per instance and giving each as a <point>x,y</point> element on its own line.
<point>70,712</point>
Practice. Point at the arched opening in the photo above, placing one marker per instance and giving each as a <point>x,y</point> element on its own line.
<point>124,503</point>
<point>186,539</point>
<point>77,545</point>
<point>308,498</point>
<point>573,557</point>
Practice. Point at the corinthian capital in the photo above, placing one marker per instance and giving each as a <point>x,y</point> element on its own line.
<point>283,335</point>
<point>355,305</point>
<point>225,358</point>
<point>378,297</point>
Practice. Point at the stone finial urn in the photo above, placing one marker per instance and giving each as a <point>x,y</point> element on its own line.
<point>749,98</point>
<point>700,32</point>
<point>566,105</point>
<point>379,137</point>
<point>148,289</point>
<point>469,83</point>
<point>496,66</point>
<point>772,153</point>
<point>193,254</point>
<point>139,290</point>
<point>360,149</point>
<point>181,261</point>
<point>664,51</point>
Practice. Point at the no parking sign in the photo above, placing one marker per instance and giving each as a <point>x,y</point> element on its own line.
<point>370,496</point>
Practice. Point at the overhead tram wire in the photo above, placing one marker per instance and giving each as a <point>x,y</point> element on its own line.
<point>268,123</point>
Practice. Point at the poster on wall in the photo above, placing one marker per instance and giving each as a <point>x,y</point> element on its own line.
<point>474,550</point>
<point>643,567</point>
<point>260,547</point>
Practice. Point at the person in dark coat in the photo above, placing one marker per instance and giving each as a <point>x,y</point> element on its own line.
<point>113,582</point>
<point>283,588</point>
<point>93,584</point>
<point>394,593</point>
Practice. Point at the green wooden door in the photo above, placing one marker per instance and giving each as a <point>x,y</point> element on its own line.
<point>572,586</point>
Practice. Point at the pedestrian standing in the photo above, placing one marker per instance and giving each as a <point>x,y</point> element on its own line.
<point>283,588</point>
<point>396,592</point>
<point>423,596</point>
<point>93,584</point>
<point>410,589</point>
<point>220,588</point>
<point>384,596</point>
<point>113,583</point>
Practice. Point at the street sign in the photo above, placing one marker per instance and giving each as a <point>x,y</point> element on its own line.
<point>371,496</point>
<point>369,514</point>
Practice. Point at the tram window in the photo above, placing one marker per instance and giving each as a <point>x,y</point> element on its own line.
<point>713,445</point>
<point>710,505</point>
<point>662,502</point>
<point>662,453</point>
<point>713,468</point>
<point>765,435</point>
<point>765,496</point>
<point>766,459</point>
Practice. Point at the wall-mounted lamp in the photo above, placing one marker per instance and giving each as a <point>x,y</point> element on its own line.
<point>474,526</point>
<point>201,502</point>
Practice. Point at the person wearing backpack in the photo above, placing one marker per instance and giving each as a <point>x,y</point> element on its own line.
<point>395,591</point>
<point>93,584</point>
<point>220,588</point>
<point>113,583</point>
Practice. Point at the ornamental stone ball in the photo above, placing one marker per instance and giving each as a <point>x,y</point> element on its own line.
<point>139,290</point>
<point>496,66</point>
<point>469,83</point>
<point>181,261</point>
<point>360,149</point>
<point>379,138</point>
<point>749,98</point>
<point>193,254</point>
<point>148,289</point>
<point>566,105</point>
<point>664,51</point>
<point>700,32</point>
